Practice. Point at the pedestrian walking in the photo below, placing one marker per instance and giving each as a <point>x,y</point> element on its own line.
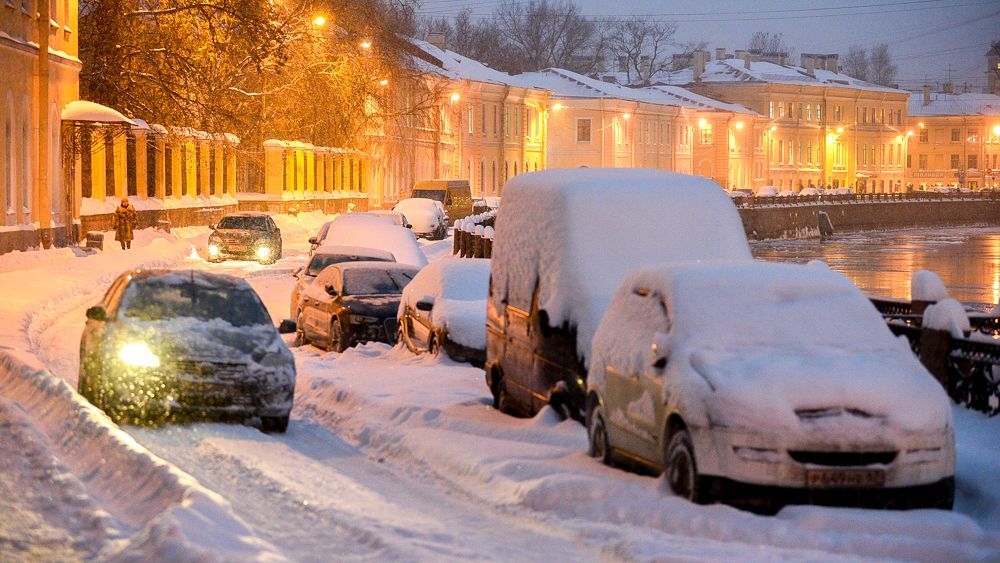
<point>124,221</point>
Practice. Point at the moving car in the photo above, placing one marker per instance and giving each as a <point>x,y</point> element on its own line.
<point>248,235</point>
<point>426,217</point>
<point>762,384</point>
<point>370,231</point>
<point>352,303</point>
<point>560,251</point>
<point>178,344</point>
<point>444,309</point>
<point>455,195</point>
<point>327,256</point>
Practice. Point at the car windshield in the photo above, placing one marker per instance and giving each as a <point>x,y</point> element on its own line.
<point>375,282</point>
<point>243,223</point>
<point>159,300</point>
<point>321,261</point>
<point>437,195</point>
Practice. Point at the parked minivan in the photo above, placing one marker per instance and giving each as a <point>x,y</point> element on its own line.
<point>565,239</point>
<point>455,195</point>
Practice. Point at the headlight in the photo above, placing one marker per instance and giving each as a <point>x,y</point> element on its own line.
<point>263,252</point>
<point>213,249</point>
<point>138,354</point>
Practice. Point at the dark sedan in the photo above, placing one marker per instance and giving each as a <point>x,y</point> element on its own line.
<point>353,303</point>
<point>174,345</point>
<point>248,235</point>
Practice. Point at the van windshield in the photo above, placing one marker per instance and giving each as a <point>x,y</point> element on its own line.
<point>436,195</point>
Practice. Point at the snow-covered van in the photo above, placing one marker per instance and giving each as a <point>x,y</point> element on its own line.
<point>454,195</point>
<point>564,241</point>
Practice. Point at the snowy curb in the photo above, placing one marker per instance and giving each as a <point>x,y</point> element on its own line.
<point>175,518</point>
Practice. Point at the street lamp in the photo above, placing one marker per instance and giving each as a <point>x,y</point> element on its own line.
<point>383,82</point>
<point>319,21</point>
<point>365,44</point>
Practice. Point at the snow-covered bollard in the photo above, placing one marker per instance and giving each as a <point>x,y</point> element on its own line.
<point>926,288</point>
<point>456,240</point>
<point>942,322</point>
<point>477,242</point>
<point>488,242</point>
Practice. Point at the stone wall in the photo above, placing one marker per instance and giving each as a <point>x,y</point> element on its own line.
<point>802,220</point>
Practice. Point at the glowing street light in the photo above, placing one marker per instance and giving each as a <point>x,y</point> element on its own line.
<point>383,82</point>
<point>558,107</point>
<point>774,128</point>
<point>366,44</point>
<point>702,123</point>
<point>455,98</point>
<point>319,21</point>
<point>739,125</point>
<point>627,115</point>
<point>996,130</point>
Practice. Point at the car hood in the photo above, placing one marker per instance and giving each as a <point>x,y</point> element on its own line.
<point>382,306</point>
<point>781,389</point>
<point>238,234</point>
<point>210,340</point>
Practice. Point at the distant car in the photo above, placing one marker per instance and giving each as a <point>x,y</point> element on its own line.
<point>762,384</point>
<point>740,193</point>
<point>444,309</point>
<point>371,231</point>
<point>173,345</point>
<point>327,256</point>
<point>247,235</point>
<point>766,191</point>
<point>426,216</point>
<point>454,195</point>
<point>396,217</point>
<point>352,303</point>
<point>788,193</point>
<point>810,191</point>
<point>843,191</point>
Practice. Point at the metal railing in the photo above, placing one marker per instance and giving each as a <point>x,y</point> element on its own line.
<point>774,201</point>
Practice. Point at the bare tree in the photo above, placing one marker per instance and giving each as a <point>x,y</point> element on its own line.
<point>767,43</point>
<point>883,71</point>
<point>480,40</point>
<point>855,63</point>
<point>548,33</point>
<point>685,51</point>
<point>642,46</point>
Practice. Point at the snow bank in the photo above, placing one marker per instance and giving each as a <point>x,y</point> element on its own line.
<point>948,315</point>
<point>171,516</point>
<point>361,229</point>
<point>459,287</point>
<point>927,286</point>
<point>581,231</point>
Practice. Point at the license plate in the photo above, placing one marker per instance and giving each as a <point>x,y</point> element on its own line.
<point>237,248</point>
<point>844,478</point>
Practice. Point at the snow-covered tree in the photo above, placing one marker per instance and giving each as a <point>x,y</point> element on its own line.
<point>642,45</point>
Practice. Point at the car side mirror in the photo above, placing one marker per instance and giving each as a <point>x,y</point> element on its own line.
<point>408,226</point>
<point>97,313</point>
<point>297,272</point>
<point>425,304</point>
<point>212,226</point>
<point>313,240</point>
<point>331,290</point>
<point>660,351</point>
<point>287,326</point>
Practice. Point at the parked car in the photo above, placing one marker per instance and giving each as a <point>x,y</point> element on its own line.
<point>172,345</point>
<point>327,256</point>
<point>427,218</point>
<point>455,195</point>
<point>320,236</point>
<point>247,235</point>
<point>810,191</point>
<point>370,231</point>
<point>352,303</point>
<point>560,250</point>
<point>767,191</point>
<point>763,384</point>
<point>740,193</point>
<point>444,308</point>
<point>788,193</point>
<point>396,217</point>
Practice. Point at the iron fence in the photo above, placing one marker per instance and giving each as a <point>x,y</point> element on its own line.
<point>771,201</point>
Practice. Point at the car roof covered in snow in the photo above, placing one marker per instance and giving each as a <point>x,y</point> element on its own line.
<point>180,277</point>
<point>375,265</point>
<point>340,249</point>
<point>578,232</point>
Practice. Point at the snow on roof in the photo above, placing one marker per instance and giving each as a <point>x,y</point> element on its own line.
<point>343,249</point>
<point>734,71</point>
<point>81,110</point>
<point>578,232</point>
<point>458,67</point>
<point>361,229</point>
<point>955,104</point>
<point>459,287</point>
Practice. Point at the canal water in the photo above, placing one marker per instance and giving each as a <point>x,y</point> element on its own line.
<point>881,263</point>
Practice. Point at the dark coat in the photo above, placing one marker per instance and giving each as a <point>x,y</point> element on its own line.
<point>124,221</point>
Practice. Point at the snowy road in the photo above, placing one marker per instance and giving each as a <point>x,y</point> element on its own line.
<point>392,456</point>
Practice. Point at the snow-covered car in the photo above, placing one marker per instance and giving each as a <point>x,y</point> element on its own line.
<point>396,217</point>
<point>740,193</point>
<point>327,256</point>
<point>247,234</point>
<point>426,216</point>
<point>763,384</point>
<point>370,231</point>
<point>352,303</point>
<point>179,344</point>
<point>444,308</point>
<point>767,191</point>
<point>810,191</point>
<point>843,191</point>
<point>317,239</point>
<point>560,251</point>
<point>788,193</point>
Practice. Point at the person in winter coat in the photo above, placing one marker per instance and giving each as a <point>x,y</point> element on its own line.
<point>124,221</point>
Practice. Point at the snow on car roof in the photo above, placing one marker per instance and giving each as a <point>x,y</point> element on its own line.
<point>199,277</point>
<point>375,265</point>
<point>372,231</point>
<point>412,203</point>
<point>583,230</point>
<point>369,252</point>
<point>460,287</point>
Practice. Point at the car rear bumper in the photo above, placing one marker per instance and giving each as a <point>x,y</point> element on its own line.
<point>460,353</point>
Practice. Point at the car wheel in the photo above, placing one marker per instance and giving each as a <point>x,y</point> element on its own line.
<point>274,424</point>
<point>598,437</point>
<point>681,470</point>
<point>336,336</point>
<point>501,398</point>
<point>434,346</point>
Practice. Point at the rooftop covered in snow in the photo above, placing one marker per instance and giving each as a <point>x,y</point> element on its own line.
<point>955,104</point>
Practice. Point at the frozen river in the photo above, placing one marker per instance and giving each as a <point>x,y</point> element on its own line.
<point>967,259</point>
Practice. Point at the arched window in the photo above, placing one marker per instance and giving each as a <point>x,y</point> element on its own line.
<point>493,177</point>
<point>25,196</point>
<point>8,157</point>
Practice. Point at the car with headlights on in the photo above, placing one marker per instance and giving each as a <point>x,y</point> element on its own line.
<point>763,384</point>
<point>444,309</point>
<point>168,345</point>
<point>329,255</point>
<point>248,235</point>
<point>353,303</point>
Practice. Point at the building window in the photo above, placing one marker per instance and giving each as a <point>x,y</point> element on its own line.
<point>482,124</point>
<point>973,162</point>
<point>890,117</point>
<point>472,120</point>
<point>8,162</point>
<point>864,115</point>
<point>956,135</point>
<point>809,153</point>
<point>781,152</point>
<point>800,111</point>
<point>864,154</point>
<point>972,136</point>
<point>791,110</point>
<point>809,112</point>
<point>26,167</point>
<point>909,161</point>
<point>924,136</point>
<point>819,112</point>
<point>583,129</point>
<point>706,134</point>
<point>496,122</point>
<point>956,162</point>
<point>770,109</point>
<point>781,110</point>
<point>899,116</point>
<point>838,113</point>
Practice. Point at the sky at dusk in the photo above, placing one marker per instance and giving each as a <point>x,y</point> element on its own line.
<point>927,38</point>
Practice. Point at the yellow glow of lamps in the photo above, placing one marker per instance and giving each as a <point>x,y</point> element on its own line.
<point>921,124</point>
<point>366,44</point>
<point>455,97</point>
<point>702,123</point>
<point>627,115</point>
<point>739,125</point>
<point>996,130</point>
<point>319,21</point>
<point>909,133</point>
<point>774,128</point>
<point>830,137</point>
<point>840,129</point>
<point>558,107</point>
<point>383,82</point>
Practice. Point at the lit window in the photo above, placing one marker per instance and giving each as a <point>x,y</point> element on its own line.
<point>583,130</point>
<point>706,134</point>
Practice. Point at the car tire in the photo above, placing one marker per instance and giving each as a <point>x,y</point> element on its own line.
<point>597,434</point>
<point>434,346</point>
<point>274,424</point>
<point>680,468</point>
<point>501,397</point>
<point>336,335</point>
